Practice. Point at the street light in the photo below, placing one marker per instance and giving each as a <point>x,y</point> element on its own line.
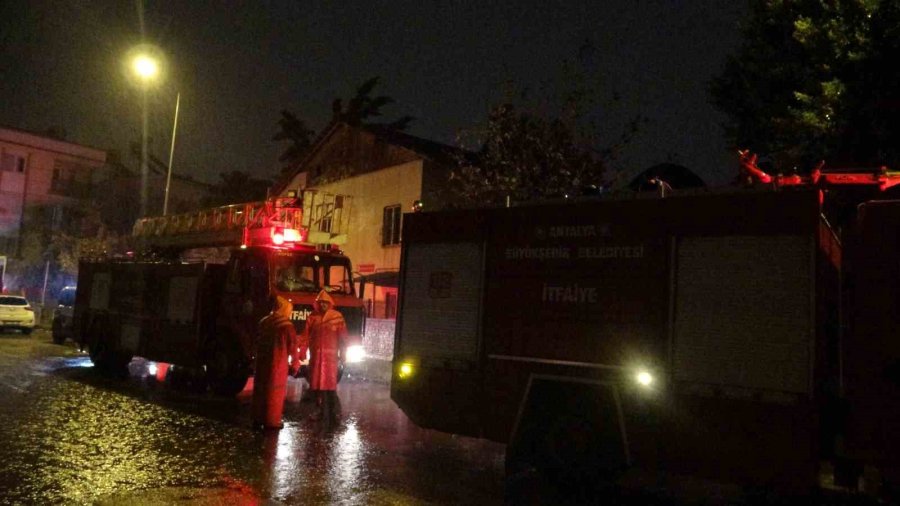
<point>146,65</point>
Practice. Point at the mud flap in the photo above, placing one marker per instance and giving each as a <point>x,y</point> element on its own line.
<point>569,435</point>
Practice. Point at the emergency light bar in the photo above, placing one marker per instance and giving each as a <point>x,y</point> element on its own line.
<point>286,235</point>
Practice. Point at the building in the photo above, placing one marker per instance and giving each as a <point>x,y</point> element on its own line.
<point>38,171</point>
<point>386,172</point>
<point>185,193</point>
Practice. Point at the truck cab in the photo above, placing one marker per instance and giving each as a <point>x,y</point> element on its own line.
<point>255,274</point>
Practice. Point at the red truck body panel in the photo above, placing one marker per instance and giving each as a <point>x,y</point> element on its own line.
<point>591,292</point>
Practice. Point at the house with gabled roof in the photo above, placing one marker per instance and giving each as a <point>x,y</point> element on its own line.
<point>387,173</point>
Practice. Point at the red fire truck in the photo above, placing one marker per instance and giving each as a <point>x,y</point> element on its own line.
<point>727,335</point>
<point>194,294</point>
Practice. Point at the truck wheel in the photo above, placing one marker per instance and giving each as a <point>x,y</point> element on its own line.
<point>225,373</point>
<point>104,358</point>
<point>186,378</point>
<point>568,442</point>
<point>58,336</point>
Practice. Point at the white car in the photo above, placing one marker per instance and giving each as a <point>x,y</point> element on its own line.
<point>16,313</point>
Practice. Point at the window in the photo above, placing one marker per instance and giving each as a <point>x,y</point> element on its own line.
<point>338,276</point>
<point>12,163</point>
<point>390,304</point>
<point>390,225</point>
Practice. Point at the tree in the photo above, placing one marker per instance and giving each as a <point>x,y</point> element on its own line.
<point>236,187</point>
<point>813,80</point>
<point>363,106</point>
<point>294,131</point>
<point>54,246</point>
<point>523,154</point>
<point>357,111</point>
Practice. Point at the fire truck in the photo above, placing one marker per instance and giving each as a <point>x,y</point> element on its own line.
<point>727,335</point>
<point>195,289</point>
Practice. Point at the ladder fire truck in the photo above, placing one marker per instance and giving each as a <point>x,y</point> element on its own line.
<point>728,335</point>
<point>201,282</point>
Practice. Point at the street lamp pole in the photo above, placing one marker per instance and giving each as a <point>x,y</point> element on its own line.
<point>171,156</point>
<point>146,68</point>
<point>144,166</point>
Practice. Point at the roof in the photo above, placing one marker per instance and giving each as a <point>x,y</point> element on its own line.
<point>81,149</point>
<point>431,150</point>
<point>383,278</point>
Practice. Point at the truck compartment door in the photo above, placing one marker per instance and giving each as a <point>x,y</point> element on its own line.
<point>442,295</point>
<point>744,312</point>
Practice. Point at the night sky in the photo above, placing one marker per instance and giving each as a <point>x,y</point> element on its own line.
<point>237,64</point>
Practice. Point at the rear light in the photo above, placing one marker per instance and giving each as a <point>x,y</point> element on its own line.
<point>28,308</point>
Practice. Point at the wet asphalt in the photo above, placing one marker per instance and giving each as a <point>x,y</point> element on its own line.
<point>70,435</point>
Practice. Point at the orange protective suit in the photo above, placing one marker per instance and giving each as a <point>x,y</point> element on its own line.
<point>326,336</point>
<point>277,341</point>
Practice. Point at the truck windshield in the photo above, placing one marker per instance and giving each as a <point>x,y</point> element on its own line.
<point>305,272</point>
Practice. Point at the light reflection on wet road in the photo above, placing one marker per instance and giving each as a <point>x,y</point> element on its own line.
<point>68,435</point>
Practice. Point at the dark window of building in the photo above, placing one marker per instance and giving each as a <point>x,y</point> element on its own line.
<point>390,225</point>
<point>12,163</point>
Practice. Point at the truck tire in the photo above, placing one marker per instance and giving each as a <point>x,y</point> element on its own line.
<point>567,444</point>
<point>57,332</point>
<point>226,374</point>
<point>187,379</point>
<point>106,359</point>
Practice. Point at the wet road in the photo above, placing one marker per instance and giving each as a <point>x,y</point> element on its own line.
<point>68,435</point>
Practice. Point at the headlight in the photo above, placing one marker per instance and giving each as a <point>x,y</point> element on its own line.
<point>355,354</point>
<point>405,370</point>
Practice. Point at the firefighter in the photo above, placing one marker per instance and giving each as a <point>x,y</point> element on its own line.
<point>277,341</point>
<point>326,336</point>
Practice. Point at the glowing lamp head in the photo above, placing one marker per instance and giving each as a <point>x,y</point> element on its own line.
<point>145,67</point>
<point>405,370</point>
<point>644,378</point>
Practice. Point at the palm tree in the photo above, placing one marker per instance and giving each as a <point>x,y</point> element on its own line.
<point>295,131</point>
<point>359,109</point>
<point>364,106</point>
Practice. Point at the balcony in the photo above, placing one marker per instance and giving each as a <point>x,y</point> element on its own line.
<point>71,189</point>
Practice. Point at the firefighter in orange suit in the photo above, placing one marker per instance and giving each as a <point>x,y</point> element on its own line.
<point>277,341</point>
<point>326,336</point>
